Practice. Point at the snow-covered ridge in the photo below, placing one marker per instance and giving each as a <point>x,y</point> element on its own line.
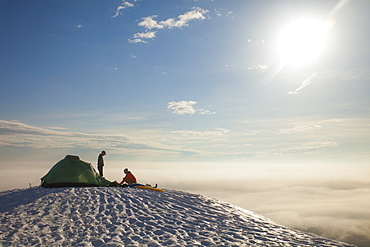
<point>134,217</point>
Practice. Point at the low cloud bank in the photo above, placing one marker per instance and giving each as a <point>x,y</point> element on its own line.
<point>328,200</point>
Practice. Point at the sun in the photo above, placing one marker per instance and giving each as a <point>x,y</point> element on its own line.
<point>301,42</point>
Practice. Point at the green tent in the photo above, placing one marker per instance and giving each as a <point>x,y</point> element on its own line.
<point>73,172</point>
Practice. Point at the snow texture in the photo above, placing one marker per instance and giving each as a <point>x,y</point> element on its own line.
<point>136,217</point>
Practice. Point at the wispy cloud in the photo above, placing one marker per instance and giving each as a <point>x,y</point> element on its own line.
<point>56,128</point>
<point>304,148</point>
<point>300,128</point>
<point>251,133</point>
<point>255,41</point>
<point>221,142</point>
<point>200,135</point>
<point>150,23</point>
<point>300,150</point>
<point>186,107</point>
<point>309,126</point>
<point>124,5</point>
<point>140,37</point>
<point>305,83</point>
<point>205,112</point>
<point>221,12</point>
<point>17,134</point>
<point>257,67</point>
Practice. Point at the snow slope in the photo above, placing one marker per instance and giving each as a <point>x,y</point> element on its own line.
<point>136,217</point>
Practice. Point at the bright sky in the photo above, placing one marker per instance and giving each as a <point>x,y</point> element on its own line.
<point>179,81</point>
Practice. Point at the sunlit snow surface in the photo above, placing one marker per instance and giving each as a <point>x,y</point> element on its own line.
<point>135,217</point>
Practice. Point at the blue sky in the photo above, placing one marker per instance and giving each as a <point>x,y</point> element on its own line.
<point>179,80</point>
<point>182,82</point>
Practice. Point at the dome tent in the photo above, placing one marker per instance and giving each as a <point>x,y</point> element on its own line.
<point>73,172</point>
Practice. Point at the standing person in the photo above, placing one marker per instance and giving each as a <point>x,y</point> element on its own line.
<point>129,178</point>
<point>101,162</point>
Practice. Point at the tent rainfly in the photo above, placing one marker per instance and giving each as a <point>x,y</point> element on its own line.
<point>73,172</point>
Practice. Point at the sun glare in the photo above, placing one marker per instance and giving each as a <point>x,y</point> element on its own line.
<point>301,42</point>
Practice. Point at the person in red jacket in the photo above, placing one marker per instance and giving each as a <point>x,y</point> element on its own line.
<point>129,178</point>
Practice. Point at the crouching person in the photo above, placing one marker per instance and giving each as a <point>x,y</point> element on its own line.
<point>129,179</point>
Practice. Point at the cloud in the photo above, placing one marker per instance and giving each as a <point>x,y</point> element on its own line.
<point>300,128</point>
<point>229,14</point>
<point>199,135</point>
<point>218,13</point>
<point>310,126</point>
<point>182,107</point>
<point>305,83</point>
<point>18,135</point>
<point>181,21</point>
<point>255,41</point>
<point>186,107</point>
<point>150,23</point>
<point>56,128</point>
<point>124,5</point>
<point>295,150</point>
<point>251,133</point>
<point>288,152</point>
<point>327,199</point>
<point>308,147</point>
<point>148,35</point>
<point>195,14</point>
<point>137,41</point>
<point>205,112</point>
<point>17,127</point>
<point>139,37</point>
<point>257,67</point>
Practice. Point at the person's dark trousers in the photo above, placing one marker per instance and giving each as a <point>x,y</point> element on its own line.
<point>100,168</point>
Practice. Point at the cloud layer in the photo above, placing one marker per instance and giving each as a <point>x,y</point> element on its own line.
<point>299,141</point>
<point>325,198</point>
<point>16,134</point>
